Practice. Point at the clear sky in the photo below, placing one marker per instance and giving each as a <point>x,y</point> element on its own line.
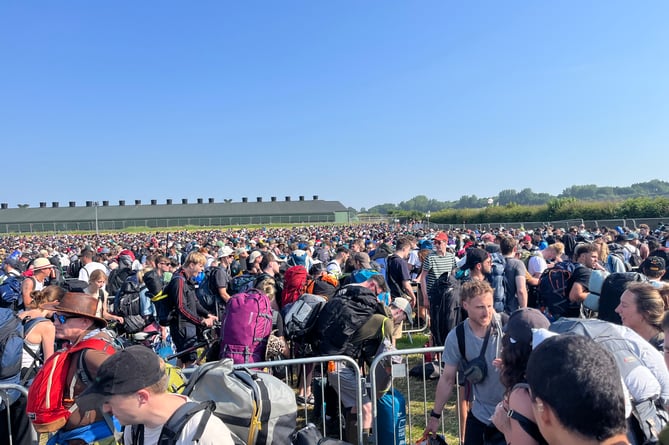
<point>363,102</point>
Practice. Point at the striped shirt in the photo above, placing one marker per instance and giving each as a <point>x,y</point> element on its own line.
<point>435,265</point>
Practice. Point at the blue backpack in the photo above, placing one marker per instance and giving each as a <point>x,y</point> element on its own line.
<point>498,282</point>
<point>10,293</point>
<point>11,344</point>
<point>554,300</point>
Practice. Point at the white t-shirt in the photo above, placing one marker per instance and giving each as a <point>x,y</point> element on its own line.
<point>536,265</point>
<point>215,433</point>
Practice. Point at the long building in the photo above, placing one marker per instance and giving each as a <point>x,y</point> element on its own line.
<point>101,216</point>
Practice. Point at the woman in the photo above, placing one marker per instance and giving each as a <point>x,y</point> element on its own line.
<point>641,309</point>
<point>39,331</point>
<point>513,416</point>
<point>96,284</point>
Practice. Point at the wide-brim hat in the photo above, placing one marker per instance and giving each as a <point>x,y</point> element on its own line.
<point>42,263</point>
<point>77,303</point>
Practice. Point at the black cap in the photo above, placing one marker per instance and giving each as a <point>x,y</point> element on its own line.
<point>125,372</point>
<point>522,321</point>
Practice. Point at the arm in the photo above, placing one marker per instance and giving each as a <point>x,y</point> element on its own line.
<point>578,293</point>
<point>444,388</point>
<point>519,401</point>
<point>27,288</point>
<point>422,278</point>
<point>48,334</point>
<point>521,290</point>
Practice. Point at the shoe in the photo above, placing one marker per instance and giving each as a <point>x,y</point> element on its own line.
<point>302,401</point>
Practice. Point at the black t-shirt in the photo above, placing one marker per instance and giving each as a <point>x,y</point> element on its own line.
<point>580,275</point>
<point>397,271</point>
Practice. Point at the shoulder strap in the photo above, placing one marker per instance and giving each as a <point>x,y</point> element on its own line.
<point>460,333</point>
<point>526,424</point>
<point>175,424</point>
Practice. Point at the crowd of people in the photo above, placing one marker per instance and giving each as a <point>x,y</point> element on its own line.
<point>69,288</point>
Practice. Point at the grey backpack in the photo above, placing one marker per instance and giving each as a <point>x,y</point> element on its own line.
<point>256,406</point>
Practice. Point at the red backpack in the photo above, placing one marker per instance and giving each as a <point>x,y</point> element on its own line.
<point>294,284</point>
<point>47,394</point>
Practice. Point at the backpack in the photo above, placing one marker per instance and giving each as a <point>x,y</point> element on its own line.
<point>294,284</point>
<point>128,304</point>
<point>445,311</point>
<point>74,285</point>
<point>299,321</point>
<point>256,406</point>
<point>246,327</point>
<point>74,268</point>
<point>342,316</point>
<point>10,293</point>
<point>642,376</point>
<point>612,288</point>
<point>163,304</point>
<point>116,279</point>
<point>171,431</point>
<point>206,292</point>
<point>241,283</point>
<point>497,279</point>
<point>553,298</point>
<point>11,344</point>
<point>46,397</point>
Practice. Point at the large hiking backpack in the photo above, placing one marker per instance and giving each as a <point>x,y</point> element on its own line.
<point>46,397</point>
<point>117,277</point>
<point>497,280</point>
<point>641,368</point>
<point>11,296</point>
<point>553,298</point>
<point>246,327</point>
<point>445,312</point>
<point>342,316</point>
<point>299,321</point>
<point>294,284</point>
<point>163,304</point>
<point>11,343</point>
<point>128,304</point>
<point>256,406</point>
<point>207,292</point>
<point>241,283</point>
<point>613,287</point>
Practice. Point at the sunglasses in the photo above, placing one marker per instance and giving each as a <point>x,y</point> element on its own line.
<point>62,319</point>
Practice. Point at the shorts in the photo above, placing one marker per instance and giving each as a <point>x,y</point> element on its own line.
<point>345,383</point>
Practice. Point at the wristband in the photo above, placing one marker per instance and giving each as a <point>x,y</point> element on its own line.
<point>435,415</point>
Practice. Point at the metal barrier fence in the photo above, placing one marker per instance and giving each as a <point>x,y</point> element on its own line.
<point>421,401</point>
<point>4,396</point>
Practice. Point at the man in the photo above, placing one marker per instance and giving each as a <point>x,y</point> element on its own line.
<point>42,271</point>
<point>239,265</point>
<point>436,263</point>
<point>654,267</point>
<point>478,263</point>
<point>222,276</point>
<point>270,268</point>
<point>88,265</point>
<point>75,321</point>
<point>189,315</point>
<point>538,263</point>
<point>514,271</point>
<point>336,266</point>
<point>132,386</point>
<point>577,290</point>
<point>481,330</point>
<point>577,393</point>
<point>399,279</point>
<point>357,333</point>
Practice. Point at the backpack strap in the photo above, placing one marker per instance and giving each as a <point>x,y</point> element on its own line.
<point>526,424</point>
<point>460,334</point>
<point>175,424</point>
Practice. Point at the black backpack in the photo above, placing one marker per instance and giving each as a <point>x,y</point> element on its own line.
<point>445,312</point>
<point>128,304</point>
<point>207,291</point>
<point>553,298</point>
<point>116,279</point>
<point>612,288</point>
<point>241,283</point>
<point>342,316</point>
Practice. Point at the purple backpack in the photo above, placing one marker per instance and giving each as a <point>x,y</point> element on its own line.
<point>246,327</point>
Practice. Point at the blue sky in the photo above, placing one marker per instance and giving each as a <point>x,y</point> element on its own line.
<point>363,102</point>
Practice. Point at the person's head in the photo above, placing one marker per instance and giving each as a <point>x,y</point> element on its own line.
<point>478,261</point>
<point>376,283</point>
<point>42,268</point>
<point>97,278</point>
<point>194,263</point>
<point>128,385</point>
<point>162,264</point>
<point>361,260</point>
<point>269,263</point>
<point>86,255</point>
<point>477,300</point>
<point>640,305</point>
<point>401,310</point>
<point>586,254</point>
<point>49,294</point>
<point>507,245</point>
<point>654,267</point>
<point>74,314</point>
<point>440,242</point>
<point>573,381</point>
<point>517,344</point>
<point>342,253</point>
<point>403,246</point>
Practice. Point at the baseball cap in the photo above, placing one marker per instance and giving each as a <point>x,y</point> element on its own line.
<point>254,256</point>
<point>522,321</point>
<point>654,264</point>
<point>475,255</point>
<point>403,303</point>
<point>224,251</point>
<point>125,372</point>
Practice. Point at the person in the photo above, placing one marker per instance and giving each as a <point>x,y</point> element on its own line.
<point>75,320</point>
<point>399,279</point>
<point>549,256</point>
<point>641,309</point>
<point>514,271</point>
<point>88,265</point>
<point>577,392</point>
<point>483,323</point>
<point>42,270</point>
<point>654,268</point>
<point>515,410</point>
<point>336,265</point>
<point>118,276</point>
<point>239,265</point>
<point>132,386</point>
<point>222,277</point>
<point>189,315</point>
<point>577,289</point>
<point>39,331</point>
<point>96,289</point>
<point>440,261</point>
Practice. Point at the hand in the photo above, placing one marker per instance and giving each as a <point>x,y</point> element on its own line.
<point>497,363</point>
<point>431,428</point>
<point>501,418</point>
<point>208,322</point>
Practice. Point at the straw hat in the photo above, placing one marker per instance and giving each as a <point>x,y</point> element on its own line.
<point>41,263</point>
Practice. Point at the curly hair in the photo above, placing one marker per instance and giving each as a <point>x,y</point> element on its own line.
<point>514,362</point>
